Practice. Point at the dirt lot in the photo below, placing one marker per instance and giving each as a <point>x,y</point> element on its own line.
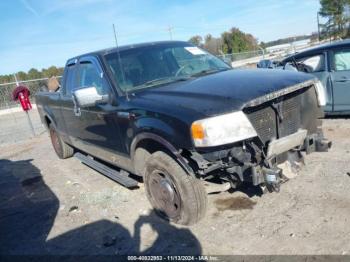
<point>57,206</point>
<point>14,126</point>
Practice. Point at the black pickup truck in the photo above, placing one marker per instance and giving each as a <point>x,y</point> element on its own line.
<point>184,121</point>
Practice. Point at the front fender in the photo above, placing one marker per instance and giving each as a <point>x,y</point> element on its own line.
<point>151,136</point>
<point>171,129</point>
<point>158,139</point>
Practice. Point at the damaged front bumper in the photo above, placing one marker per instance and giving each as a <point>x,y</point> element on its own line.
<point>247,162</point>
<point>291,146</point>
<point>287,124</point>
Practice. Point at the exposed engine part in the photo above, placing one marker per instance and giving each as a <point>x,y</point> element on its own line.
<point>272,179</point>
<point>213,167</point>
<point>237,170</point>
<point>257,176</point>
<point>240,155</point>
<point>200,161</point>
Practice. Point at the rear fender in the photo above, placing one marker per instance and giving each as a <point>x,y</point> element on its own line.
<point>49,118</point>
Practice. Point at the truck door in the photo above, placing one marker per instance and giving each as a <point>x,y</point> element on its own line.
<point>96,130</point>
<point>66,101</point>
<point>340,75</point>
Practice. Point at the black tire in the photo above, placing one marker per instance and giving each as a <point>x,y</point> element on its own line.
<point>175,195</point>
<point>62,149</point>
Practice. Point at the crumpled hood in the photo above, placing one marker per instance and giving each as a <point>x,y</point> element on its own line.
<point>222,92</point>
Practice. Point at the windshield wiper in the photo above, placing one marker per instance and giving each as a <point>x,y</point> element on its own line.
<point>156,81</point>
<point>164,80</point>
<point>161,81</point>
<point>209,71</point>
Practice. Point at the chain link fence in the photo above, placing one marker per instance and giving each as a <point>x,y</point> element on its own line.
<point>14,125</point>
<point>242,55</point>
<point>34,86</point>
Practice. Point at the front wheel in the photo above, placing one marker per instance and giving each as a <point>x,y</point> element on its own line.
<point>174,194</point>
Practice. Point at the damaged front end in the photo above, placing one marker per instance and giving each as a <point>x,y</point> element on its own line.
<point>286,123</point>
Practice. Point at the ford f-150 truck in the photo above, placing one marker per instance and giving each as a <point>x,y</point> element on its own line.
<point>184,121</point>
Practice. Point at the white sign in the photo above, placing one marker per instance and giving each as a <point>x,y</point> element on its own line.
<point>194,50</point>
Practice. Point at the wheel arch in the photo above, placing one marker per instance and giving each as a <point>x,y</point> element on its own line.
<point>152,143</point>
<point>49,121</point>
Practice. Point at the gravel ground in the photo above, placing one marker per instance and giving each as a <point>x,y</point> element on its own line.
<point>52,206</point>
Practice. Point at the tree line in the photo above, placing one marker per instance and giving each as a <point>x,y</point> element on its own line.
<point>33,74</point>
<point>232,41</point>
<point>337,26</point>
<point>236,41</point>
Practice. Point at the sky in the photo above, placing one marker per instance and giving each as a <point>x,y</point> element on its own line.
<point>41,33</point>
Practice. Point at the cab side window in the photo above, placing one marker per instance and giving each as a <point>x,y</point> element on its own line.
<point>342,60</point>
<point>311,64</point>
<point>71,79</point>
<point>89,76</point>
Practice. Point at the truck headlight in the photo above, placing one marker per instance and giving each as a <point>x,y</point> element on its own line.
<point>321,93</point>
<point>220,130</point>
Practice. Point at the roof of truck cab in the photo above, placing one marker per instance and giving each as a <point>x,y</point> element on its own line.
<point>126,47</point>
<point>320,48</point>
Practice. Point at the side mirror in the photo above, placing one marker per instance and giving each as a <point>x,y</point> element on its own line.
<point>88,96</point>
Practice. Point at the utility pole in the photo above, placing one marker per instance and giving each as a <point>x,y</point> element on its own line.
<point>115,36</point>
<point>16,80</point>
<point>170,30</point>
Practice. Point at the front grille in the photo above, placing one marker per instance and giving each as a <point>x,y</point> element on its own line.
<point>291,116</point>
<point>267,123</point>
<point>264,122</point>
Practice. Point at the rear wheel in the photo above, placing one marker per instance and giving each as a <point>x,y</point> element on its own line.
<point>174,194</point>
<point>62,149</point>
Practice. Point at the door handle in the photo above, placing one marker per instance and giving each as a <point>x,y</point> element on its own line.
<point>76,109</point>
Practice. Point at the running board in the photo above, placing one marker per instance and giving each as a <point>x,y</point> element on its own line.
<point>121,177</point>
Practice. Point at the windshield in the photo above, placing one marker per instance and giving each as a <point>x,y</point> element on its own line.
<point>154,65</point>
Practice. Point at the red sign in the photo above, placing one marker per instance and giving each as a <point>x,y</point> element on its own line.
<point>22,93</point>
<point>25,102</point>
